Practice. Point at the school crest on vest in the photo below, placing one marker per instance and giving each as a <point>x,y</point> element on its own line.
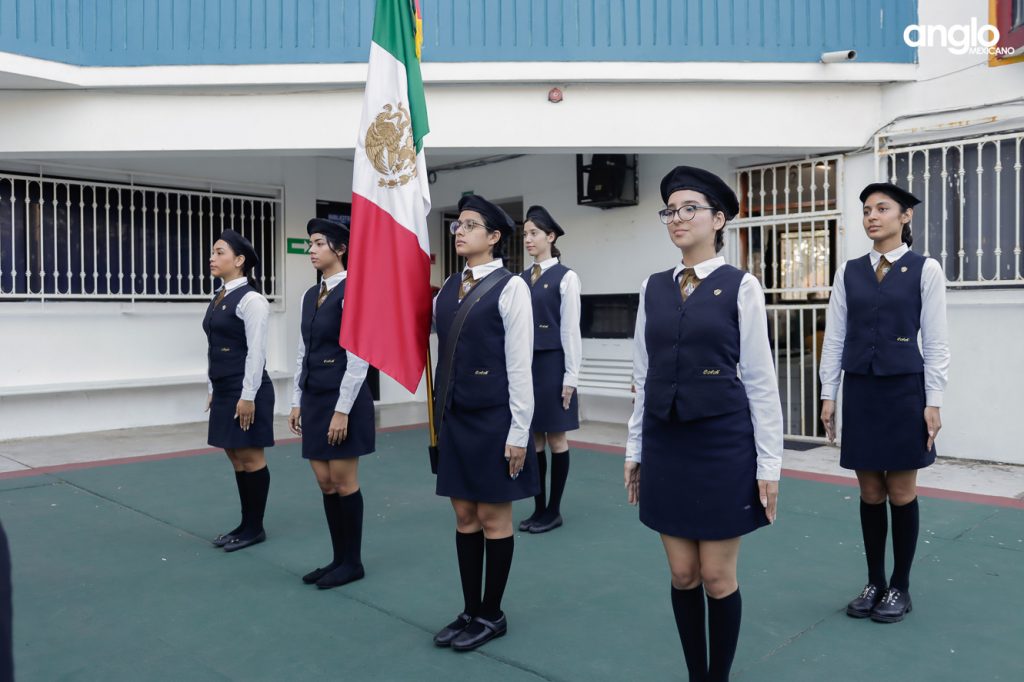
<point>390,146</point>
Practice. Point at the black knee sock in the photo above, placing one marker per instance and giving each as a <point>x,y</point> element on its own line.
<point>350,509</point>
<point>499,563</point>
<point>874,525</point>
<point>539,501</point>
<point>470,550</point>
<point>257,485</point>
<point>240,483</point>
<point>688,607</point>
<point>559,474</point>
<point>906,521</point>
<point>333,515</point>
<point>724,617</point>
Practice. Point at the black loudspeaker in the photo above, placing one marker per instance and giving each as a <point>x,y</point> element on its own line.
<point>607,176</point>
<point>609,180</point>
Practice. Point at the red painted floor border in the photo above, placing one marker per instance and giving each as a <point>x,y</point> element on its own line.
<point>848,481</point>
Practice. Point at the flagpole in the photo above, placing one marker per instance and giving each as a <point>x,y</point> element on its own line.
<point>430,398</point>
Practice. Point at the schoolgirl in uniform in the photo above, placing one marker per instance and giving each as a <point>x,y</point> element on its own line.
<point>485,428</point>
<point>241,395</point>
<point>704,451</point>
<point>332,408</point>
<point>892,391</point>
<point>557,351</point>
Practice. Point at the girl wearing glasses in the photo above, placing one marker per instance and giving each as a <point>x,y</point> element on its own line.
<point>241,395</point>
<point>704,451</point>
<point>557,351</point>
<point>892,391</point>
<point>332,408</point>
<point>485,427</point>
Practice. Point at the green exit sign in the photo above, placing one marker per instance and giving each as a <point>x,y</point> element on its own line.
<point>298,245</point>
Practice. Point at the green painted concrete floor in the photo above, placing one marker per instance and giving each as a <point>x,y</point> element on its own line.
<point>115,579</point>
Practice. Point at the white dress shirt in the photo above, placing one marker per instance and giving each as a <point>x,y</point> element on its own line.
<point>355,367</point>
<point>254,311</point>
<point>516,309</point>
<point>756,371</point>
<point>934,332</point>
<point>569,311</point>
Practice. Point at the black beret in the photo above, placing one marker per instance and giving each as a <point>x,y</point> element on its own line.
<point>892,191</point>
<point>539,216</point>
<point>338,231</point>
<point>242,247</point>
<point>705,182</point>
<point>494,217</point>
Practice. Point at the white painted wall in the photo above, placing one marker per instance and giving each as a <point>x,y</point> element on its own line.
<point>647,116</point>
<point>947,80</point>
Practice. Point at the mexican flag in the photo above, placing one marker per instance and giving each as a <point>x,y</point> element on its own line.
<point>387,297</point>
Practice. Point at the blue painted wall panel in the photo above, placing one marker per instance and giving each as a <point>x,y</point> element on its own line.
<point>154,32</point>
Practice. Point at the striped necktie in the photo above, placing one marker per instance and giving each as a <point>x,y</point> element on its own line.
<point>883,268</point>
<point>467,283</point>
<point>323,294</point>
<point>688,282</point>
<point>535,273</point>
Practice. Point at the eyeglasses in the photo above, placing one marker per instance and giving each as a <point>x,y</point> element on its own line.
<point>685,213</point>
<point>466,225</point>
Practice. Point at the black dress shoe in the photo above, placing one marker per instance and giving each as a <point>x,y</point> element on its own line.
<point>242,542</point>
<point>479,632</point>
<point>544,525</point>
<point>861,606</point>
<point>317,573</point>
<point>525,524</point>
<point>343,574</point>
<point>223,539</point>
<point>895,604</point>
<point>452,630</point>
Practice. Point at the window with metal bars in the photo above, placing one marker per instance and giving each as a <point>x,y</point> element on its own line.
<point>64,238</point>
<point>972,205</point>
<point>786,231</point>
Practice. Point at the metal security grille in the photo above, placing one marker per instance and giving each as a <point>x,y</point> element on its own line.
<point>787,235</point>
<point>75,239</point>
<point>971,210</point>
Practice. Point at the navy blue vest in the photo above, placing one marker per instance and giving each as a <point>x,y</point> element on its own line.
<point>547,307</point>
<point>325,361</point>
<point>478,377</point>
<point>693,347</point>
<point>225,334</point>
<point>883,318</point>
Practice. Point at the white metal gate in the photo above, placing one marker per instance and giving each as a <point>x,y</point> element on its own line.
<point>788,235</point>
<point>972,201</point>
<point>82,239</point>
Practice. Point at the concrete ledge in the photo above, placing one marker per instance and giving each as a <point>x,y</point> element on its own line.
<point>115,384</point>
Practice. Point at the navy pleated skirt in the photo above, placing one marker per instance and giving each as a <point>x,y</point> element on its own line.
<point>548,415</point>
<point>317,411</point>
<point>883,423</point>
<point>224,431</point>
<point>471,459</point>
<point>698,479</point>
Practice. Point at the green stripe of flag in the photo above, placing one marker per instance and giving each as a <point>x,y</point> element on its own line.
<point>394,29</point>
